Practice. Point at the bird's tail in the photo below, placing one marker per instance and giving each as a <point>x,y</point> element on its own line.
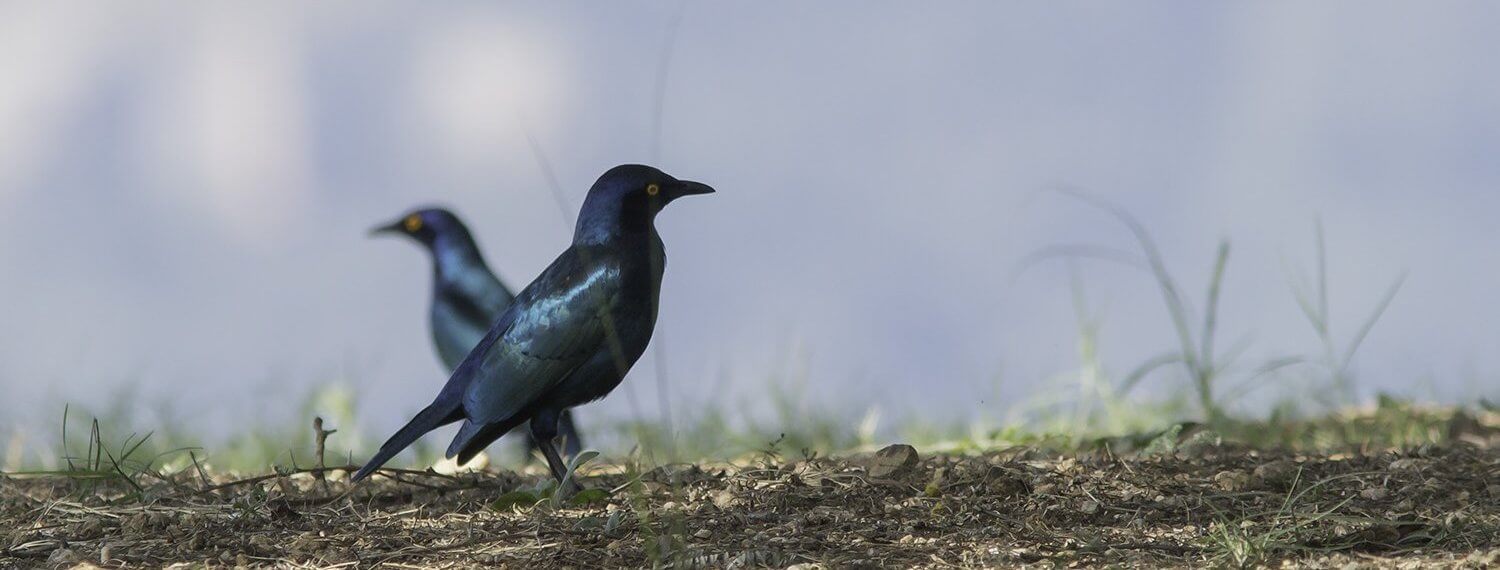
<point>473,438</point>
<point>430,418</point>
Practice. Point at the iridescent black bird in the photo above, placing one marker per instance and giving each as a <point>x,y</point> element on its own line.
<point>571,335</point>
<point>466,296</point>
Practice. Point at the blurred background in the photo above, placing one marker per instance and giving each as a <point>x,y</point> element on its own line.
<point>185,190</point>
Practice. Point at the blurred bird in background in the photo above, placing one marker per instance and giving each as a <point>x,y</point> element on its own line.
<point>466,296</point>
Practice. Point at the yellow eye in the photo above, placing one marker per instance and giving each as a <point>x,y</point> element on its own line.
<point>652,189</point>
<point>413,223</point>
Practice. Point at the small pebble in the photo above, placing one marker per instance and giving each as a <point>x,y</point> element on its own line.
<point>62,556</point>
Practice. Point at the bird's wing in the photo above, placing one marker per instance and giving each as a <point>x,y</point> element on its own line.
<point>475,311</point>
<point>496,297</point>
<point>558,323</point>
<point>477,295</point>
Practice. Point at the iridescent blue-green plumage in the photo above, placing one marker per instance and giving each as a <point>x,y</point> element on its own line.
<point>466,296</point>
<point>571,335</point>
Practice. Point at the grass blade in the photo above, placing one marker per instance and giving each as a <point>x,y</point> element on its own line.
<point>1146,368</point>
<point>1364,329</point>
<point>1211,310</point>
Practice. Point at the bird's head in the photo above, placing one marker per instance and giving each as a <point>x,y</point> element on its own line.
<point>627,198</point>
<point>426,225</point>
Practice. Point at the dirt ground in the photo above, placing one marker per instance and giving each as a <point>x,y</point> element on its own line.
<point>1205,503</point>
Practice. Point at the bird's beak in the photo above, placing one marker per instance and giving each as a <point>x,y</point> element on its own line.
<point>391,228</point>
<point>690,188</point>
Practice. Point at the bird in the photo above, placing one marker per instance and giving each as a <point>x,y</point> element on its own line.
<point>466,296</point>
<point>570,336</point>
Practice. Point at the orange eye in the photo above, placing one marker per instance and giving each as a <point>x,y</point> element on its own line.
<point>413,223</point>
<point>652,189</point>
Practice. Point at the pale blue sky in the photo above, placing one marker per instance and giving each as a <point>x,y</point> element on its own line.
<point>185,188</point>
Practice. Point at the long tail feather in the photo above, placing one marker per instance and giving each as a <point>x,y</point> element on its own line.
<point>430,418</point>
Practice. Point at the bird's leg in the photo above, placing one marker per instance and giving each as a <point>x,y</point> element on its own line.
<point>544,431</point>
<point>572,444</point>
<point>531,446</point>
<point>559,469</point>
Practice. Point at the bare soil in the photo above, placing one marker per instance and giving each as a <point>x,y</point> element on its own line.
<point>1200,504</point>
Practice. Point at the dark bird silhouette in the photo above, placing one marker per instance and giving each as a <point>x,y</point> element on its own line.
<point>466,296</point>
<point>571,335</point>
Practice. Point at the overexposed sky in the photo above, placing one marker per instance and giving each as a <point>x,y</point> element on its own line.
<point>185,189</point>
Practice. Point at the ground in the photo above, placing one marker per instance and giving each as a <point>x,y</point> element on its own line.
<point>1199,500</point>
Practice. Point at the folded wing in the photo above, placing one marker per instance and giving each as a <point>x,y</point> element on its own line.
<point>558,323</point>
